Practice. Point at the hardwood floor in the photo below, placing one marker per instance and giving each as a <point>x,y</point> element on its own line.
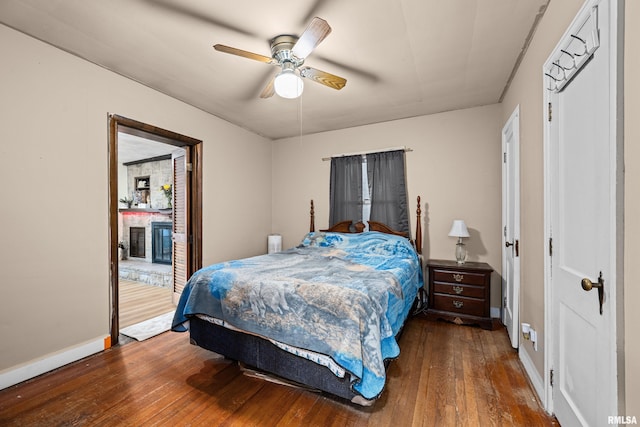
<point>139,302</point>
<point>446,375</point>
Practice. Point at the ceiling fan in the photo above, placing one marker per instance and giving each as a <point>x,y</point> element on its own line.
<point>289,53</point>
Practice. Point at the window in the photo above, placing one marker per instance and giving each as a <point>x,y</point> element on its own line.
<point>369,187</point>
<point>366,196</point>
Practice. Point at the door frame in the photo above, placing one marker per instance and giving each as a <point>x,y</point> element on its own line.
<point>616,282</point>
<point>118,124</point>
<point>513,125</point>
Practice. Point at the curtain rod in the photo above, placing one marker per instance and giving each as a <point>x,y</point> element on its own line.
<point>361,153</point>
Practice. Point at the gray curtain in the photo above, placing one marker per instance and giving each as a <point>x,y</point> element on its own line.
<point>388,190</point>
<point>345,189</point>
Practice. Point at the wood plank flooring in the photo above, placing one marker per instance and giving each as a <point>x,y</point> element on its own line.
<point>446,375</point>
<point>139,302</point>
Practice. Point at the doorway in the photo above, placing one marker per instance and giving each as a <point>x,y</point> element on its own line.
<point>511,227</point>
<point>173,205</point>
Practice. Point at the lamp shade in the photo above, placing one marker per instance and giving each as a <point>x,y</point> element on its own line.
<point>288,84</point>
<point>459,229</point>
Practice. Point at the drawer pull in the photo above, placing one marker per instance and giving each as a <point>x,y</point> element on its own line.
<point>458,277</point>
<point>458,289</point>
<point>458,304</point>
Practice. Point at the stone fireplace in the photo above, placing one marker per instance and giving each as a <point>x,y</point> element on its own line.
<point>140,223</point>
<point>145,220</point>
<point>148,259</point>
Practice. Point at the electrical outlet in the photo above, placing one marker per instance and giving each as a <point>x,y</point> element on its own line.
<point>533,335</point>
<point>526,328</point>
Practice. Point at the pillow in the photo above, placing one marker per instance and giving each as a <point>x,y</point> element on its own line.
<point>322,239</point>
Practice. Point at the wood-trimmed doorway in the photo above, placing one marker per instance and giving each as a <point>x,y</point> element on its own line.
<point>193,202</point>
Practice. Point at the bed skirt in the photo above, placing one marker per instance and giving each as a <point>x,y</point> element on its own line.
<point>260,353</point>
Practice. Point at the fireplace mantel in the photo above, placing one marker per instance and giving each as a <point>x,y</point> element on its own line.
<point>146,210</point>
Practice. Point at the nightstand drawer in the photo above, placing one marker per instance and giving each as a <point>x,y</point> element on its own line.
<point>462,290</point>
<point>462,305</point>
<point>465,277</point>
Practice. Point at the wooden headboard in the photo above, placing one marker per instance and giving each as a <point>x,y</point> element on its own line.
<point>358,227</point>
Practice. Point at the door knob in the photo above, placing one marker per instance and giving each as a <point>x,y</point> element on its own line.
<point>514,243</point>
<point>587,285</point>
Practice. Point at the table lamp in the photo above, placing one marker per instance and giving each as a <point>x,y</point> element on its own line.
<point>459,230</point>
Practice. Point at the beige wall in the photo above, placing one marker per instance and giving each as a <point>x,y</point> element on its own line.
<point>526,91</point>
<point>632,207</point>
<point>54,274</point>
<point>454,166</point>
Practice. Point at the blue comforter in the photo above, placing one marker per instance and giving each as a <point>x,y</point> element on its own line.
<point>342,295</point>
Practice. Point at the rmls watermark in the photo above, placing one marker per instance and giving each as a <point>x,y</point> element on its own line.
<point>622,419</point>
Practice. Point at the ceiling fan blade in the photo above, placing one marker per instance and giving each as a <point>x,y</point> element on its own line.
<point>317,31</point>
<point>268,90</point>
<point>244,53</point>
<point>323,77</point>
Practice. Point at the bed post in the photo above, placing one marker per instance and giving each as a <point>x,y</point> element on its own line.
<point>418,228</point>
<point>312,223</point>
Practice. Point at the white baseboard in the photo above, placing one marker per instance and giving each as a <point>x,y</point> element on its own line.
<point>30,370</point>
<point>532,372</point>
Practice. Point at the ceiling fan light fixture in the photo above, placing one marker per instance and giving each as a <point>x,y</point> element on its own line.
<point>288,84</point>
<point>289,53</point>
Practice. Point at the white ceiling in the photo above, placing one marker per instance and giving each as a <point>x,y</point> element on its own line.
<point>133,148</point>
<point>401,58</point>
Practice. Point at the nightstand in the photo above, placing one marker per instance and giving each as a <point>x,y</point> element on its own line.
<point>460,293</point>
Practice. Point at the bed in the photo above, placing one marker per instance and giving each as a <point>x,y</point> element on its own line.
<point>325,314</point>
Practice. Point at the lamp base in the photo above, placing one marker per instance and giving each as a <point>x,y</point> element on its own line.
<point>461,252</point>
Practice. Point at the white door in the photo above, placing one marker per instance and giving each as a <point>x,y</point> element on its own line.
<point>582,171</point>
<point>511,226</point>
